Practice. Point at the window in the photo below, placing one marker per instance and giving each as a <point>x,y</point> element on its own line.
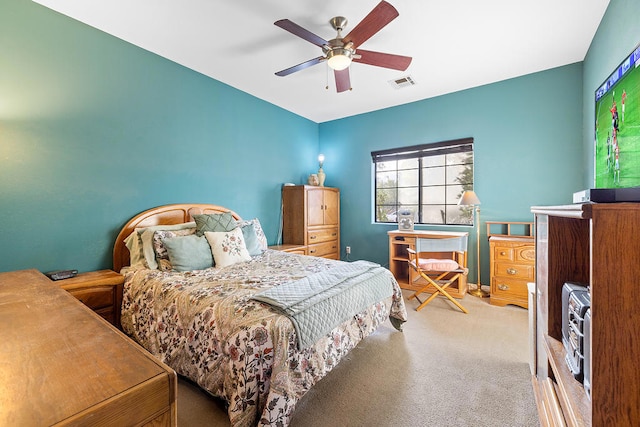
<point>426,180</point>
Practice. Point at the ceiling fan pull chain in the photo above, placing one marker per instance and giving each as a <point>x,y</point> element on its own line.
<point>326,87</point>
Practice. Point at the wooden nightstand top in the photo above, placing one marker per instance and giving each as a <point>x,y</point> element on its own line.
<point>91,278</point>
<point>287,247</point>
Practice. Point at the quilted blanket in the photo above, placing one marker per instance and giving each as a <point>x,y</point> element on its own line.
<point>318,303</point>
<point>206,326</point>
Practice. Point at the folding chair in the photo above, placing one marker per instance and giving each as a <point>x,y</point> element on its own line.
<point>441,262</point>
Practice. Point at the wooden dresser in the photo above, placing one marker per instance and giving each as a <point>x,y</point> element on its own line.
<point>512,258</point>
<point>407,278</point>
<point>62,364</point>
<point>311,218</point>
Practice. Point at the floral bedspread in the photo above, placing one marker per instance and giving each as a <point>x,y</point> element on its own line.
<point>204,325</point>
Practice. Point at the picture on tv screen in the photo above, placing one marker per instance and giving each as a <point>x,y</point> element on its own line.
<point>617,127</point>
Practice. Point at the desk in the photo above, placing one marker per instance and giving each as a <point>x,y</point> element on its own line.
<point>399,241</point>
<point>62,364</point>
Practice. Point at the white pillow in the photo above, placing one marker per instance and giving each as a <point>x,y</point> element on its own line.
<point>227,247</point>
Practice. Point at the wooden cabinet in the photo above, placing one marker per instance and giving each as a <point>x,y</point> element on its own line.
<point>407,278</point>
<point>62,364</point>
<point>512,262</point>
<point>311,218</point>
<point>596,244</point>
<point>101,291</point>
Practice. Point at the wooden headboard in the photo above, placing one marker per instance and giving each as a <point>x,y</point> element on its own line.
<point>162,215</point>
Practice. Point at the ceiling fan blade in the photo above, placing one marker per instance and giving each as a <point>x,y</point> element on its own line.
<point>386,60</point>
<point>380,16</point>
<point>297,30</point>
<point>301,66</point>
<point>343,81</point>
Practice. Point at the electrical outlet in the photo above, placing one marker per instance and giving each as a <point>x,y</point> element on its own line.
<point>348,249</point>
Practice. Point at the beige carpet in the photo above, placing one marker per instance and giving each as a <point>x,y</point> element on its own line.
<point>445,369</point>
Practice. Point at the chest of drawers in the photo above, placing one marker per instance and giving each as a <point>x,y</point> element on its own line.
<point>512,261</point>
<point>311,219</point>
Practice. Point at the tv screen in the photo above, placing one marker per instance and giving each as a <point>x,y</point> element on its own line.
<point>617,127</point>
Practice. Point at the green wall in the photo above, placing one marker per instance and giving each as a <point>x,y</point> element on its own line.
<point>617,35</point>
<point>94,130</point>
<point>527,133</point>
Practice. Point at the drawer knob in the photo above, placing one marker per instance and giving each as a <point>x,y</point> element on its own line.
<point>312,251</point>
<point>503,287</point>
<point>312,237</point>
<point>512,271</point>
<point>503,253</point>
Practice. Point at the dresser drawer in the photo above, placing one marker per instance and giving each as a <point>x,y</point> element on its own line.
<point>324,249</point>
<point>515,253</point>
<point>322,235</point>
<point>515,271</point>
<point>95,297</point>
<point>509,289</point>
<point>503,253</point>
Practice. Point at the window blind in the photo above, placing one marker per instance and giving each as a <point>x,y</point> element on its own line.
<point>423,150</point>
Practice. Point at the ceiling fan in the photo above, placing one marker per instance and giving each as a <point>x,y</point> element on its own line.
<point>340,51</point>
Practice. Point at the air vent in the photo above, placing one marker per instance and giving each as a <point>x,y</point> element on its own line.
<point>402,82</point>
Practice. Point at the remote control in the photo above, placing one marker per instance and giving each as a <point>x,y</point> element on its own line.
<point>61,274</point>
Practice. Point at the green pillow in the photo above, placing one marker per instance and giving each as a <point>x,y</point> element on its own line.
<point>214,222</point>
<point>189,253</point>
<point>251,239</point>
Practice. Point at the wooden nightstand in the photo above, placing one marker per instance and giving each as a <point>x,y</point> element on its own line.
<point>101,291</point>
<point>294,249</point>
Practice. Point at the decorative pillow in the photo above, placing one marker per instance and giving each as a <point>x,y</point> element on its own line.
<point>162,256</point>
<point>227,247</point>
<point>188,253</point>
<point>141,249</point>
<point>251,239</point>
<point>146,237</point>
<point>262,239</point>
<point>214,222</point>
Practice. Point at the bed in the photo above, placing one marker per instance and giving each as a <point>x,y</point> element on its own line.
<point>219,327</point>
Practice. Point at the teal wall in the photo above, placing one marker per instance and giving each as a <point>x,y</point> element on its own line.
<point>94,130</point>
<point>617,36</point>
<point>527,151</point>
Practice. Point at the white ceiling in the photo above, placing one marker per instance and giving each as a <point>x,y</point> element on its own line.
<point>455,44</point>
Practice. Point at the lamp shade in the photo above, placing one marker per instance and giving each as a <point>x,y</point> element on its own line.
<point>469,198</point>
<point>339,58</point>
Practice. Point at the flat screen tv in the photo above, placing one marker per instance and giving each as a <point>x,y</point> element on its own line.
<point>617,126</point>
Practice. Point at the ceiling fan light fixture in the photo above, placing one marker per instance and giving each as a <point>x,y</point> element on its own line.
<point>339,58</point>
